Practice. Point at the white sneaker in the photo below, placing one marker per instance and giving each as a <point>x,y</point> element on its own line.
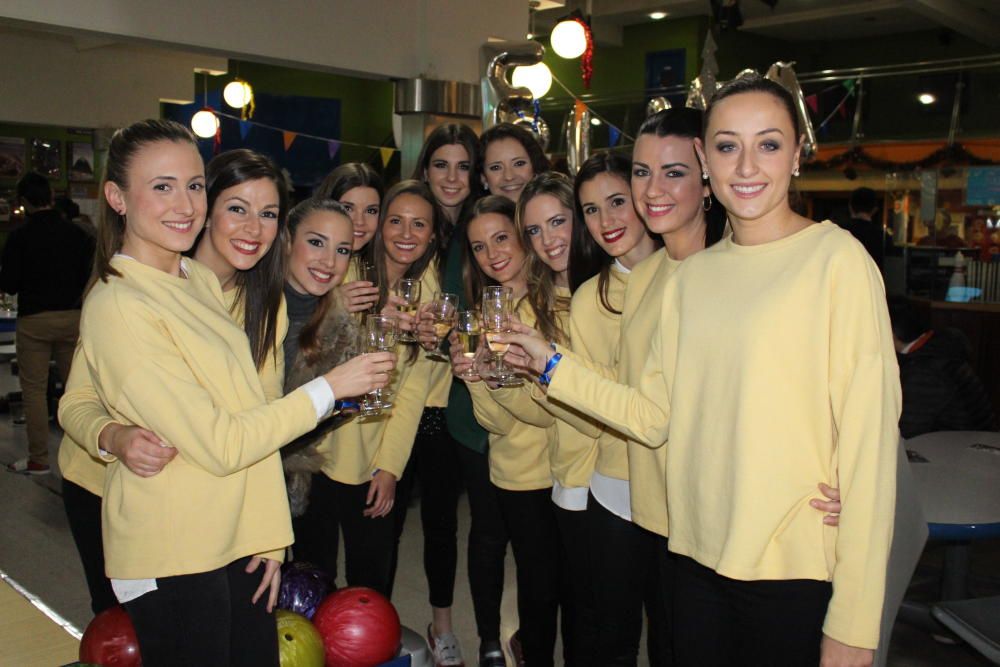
<point>446,649</point>
<point>26,467</point>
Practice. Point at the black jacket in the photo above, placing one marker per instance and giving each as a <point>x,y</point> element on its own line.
<point>941,391</point>
<point>47,263</point>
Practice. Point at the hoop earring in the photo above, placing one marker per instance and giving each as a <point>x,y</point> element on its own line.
<point>706,204</point>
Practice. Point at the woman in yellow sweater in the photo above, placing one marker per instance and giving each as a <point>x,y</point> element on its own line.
<point>182,547</point>
<point>247,203</point>
<point>783,328</point>
<point>363,459</point>
<point>519,439</point>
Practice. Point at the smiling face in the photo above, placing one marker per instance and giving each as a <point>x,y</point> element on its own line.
<point>666,182</point>
<point>608,212</point>
<point>496,248</point>
<point>549,226</point>
<point>407,230</point>
<point>750,152</point>
<point>243,224</point>
<point>362,204</point>
<point>506,168</point>
<point>320,252</point>
<point>164,202</point>
<point>447,174</point>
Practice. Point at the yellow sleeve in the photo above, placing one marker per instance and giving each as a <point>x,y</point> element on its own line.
<point>866,402</point>
<point>82,415</point>
<point>518,401</point>
<point>404,420</point>
<point>491,415</point>
<point>277,554</point>
<point>641,414</point>
<point>151,385</point>
<point>579,421</point>
<point>272,373</point>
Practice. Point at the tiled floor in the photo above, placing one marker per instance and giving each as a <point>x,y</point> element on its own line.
<point>36,550</point>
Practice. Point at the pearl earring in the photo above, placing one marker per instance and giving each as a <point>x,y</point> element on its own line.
<point>704,175</point>
<point>796,172</point>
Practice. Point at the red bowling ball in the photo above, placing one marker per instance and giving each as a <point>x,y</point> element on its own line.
<point>110,640</point>
<point>359,626</point>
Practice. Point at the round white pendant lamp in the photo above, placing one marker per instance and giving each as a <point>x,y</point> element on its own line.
<point>568,39</point>
<point>237,93</point>
<point>204,123</point>
<point>536,78</point>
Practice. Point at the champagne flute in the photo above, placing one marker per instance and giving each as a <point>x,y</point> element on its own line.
<point>444,312</point>
<point>498,309</point>
<point>367,271</point>
<point>408,289</point>
<point>379,335</point>
<point>470,333</point>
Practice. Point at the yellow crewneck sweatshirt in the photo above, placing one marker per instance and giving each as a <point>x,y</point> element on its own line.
<point>163,353</point>
<point>83,415</point>
<point>778,367</point>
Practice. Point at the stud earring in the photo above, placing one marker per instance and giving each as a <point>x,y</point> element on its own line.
<point>704,175</point>
<point>796,172</point>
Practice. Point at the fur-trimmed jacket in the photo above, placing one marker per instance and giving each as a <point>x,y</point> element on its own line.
<point>338,337</point>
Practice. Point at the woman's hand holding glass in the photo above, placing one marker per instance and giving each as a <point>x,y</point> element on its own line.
<point>362,374</point>
<point>407,290</point>
<point>380,334</point>
<point>436,321</point>
<point>466,343</point>
<point>529,351</point>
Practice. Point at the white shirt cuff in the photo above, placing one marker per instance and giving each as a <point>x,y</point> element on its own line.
<point>321,394</point>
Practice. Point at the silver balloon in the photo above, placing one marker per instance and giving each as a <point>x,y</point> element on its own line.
<point>656,105</point>
<point>696,96</point>
<point>749,71</point>
<point>784,73</point>
<point>577,140</point>
<point>501,100</point>
<point>536,125</point>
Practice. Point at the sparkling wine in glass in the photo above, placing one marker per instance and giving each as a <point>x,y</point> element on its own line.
<point>408,289</point>
<point>380,334</point>
<point>498,310</point>
<point>444,313</point>
<point>470,333</point>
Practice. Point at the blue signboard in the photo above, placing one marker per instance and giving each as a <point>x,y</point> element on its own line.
<point>983,187</point>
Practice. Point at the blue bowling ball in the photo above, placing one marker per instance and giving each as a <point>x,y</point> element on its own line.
<point>303,587</point>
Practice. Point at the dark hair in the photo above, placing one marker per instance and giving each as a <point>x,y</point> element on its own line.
<point>259,289</point>
<point>416,270</point>
<point>586,256</point>
<point>125,143</point>
<point>539,163</point>
<point>863,200</point>
<point>541,278</point>
<point>755,83</point>
<point>35,189</point>
<point>69,208</point>
<point>473,276</point>
<point>447,135</point>
<point>687,123</point>
<point>345,178</point>
<point>309,336</point>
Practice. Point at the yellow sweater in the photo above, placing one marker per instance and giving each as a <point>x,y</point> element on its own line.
<point>164,354</point>
<point>83,415</point>
<point>522,433</point>
<point>781,374</point>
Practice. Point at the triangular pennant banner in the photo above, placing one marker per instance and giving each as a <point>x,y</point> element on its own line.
<point>245,128</point>
<point>613,135</point>
<point>332,147</point>
<point>289,138</point>
<point>386,155</point>
<point>813,102</point>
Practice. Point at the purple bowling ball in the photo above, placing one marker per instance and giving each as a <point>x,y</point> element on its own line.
<point>303,587</point>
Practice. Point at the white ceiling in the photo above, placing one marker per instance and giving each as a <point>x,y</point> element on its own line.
<point>802,20</point>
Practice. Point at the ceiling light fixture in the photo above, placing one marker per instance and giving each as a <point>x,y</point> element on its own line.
<point>656,16</point>
<point>536,78</point>
<point>926,98</point>
<point>569,40</point>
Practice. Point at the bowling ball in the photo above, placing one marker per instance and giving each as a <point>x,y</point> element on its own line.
<point>359,626</point>
<point>110,640</point>
<point>299,643</point>
<point>303,588</point>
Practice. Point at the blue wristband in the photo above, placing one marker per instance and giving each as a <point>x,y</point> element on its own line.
<point>545,378</point>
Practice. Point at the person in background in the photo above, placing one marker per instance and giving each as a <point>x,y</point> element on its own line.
<point>863,225</point>
<point>47,263</point>
<point>511,157</point>
<point>941,391</point>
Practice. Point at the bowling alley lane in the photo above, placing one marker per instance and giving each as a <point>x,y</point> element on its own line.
<point>29,638</point>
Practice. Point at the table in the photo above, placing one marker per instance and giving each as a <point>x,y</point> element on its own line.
<point>958,478</point>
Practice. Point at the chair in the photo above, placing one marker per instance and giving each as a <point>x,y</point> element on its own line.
<point>908,538</point>
<point>977,622</point>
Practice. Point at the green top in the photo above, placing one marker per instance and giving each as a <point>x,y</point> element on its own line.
<point>462,423</point>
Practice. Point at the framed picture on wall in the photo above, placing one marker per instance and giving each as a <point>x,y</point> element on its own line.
<point>11,157</point>
<point>81,161</point>
<point>46,157</point>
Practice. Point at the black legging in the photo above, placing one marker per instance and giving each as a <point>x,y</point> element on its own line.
<point>83,510</point>
<point>576,596</point>
<point>433,465</point>
<point>334,506</point>
<point>487,543</point>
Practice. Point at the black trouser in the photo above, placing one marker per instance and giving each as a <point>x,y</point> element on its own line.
<point>722,621</point>
<point>576,596</point>
<point>534,538</point>
<point>487,543</point>
<point>632,568</point>
<point>335,507</point>
<point>434,466</point>
<point>206,619</point>
<point>83,510</point>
